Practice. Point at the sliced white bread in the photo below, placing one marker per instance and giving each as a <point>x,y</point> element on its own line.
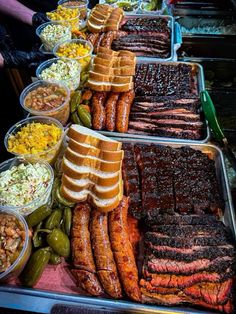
<point>94,28</point>
<point>93,76</point>
<point>91,151</point>
<point>85,184</point>
<point>92,162</point>
<point>124,70</point>
<point>98,86</point>
<point>105,62</point>
<point>106,87</point>
<point>96,176</point>
<point>103,205</point>
<point>87,136</point>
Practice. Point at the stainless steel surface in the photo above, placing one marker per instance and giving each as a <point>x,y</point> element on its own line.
<point>204,8</point>
<point>201,86</point>
<point>215,154</point>
<point>223,25</point>
<point>42,301</point>
<point>170,20</point>
<point>201,46</point>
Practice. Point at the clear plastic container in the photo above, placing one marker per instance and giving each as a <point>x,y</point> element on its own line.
<point>15,269</point>
<point>40,201</point>
<point>48,155</point>
<point>73,78</point>
<point>61,112</point>
<point>73,22</point>
<point>81,5</point>
<point>156,12</point>
<point>84,60</point>
<point>50,41</point>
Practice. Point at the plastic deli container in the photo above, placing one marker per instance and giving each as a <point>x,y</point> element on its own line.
<point>73,22</point>
<point>34,100</point>
<point>146,7</point>
<point>48,155</point>
<point>41,192</point>
<point>64,70</point>
<point>81,5</point>
<point>15,269</point>
<point>51,33</point>
<point>83,59</point>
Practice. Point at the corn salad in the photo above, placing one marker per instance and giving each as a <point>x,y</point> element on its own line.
<point>81,52</point>
<point>34,138</point>
<point>65,14</point>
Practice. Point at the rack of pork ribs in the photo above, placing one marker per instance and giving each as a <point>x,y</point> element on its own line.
<point>188,252</point>
<point>143,36</point>
<point>166,102</point>
<point>161,179</point>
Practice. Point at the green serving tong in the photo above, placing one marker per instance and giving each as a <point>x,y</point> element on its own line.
<point>210,113</point>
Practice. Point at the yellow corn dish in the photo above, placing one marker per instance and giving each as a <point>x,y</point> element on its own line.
<point>79,51</point>
<point>34,138</point>
<point>66,16</point>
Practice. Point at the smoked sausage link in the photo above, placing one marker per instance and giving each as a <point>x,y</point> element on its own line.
<point>87,281</point>
<point>123,110</point>
<point>82,254</point>
<point>106,266</point>
<point>98,110</point>
<point>110,108</point>
<point>123,251</point>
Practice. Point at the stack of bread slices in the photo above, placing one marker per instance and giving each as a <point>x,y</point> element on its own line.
<point>104,18</point>
<point>92,169</point>
<point>112,71</point>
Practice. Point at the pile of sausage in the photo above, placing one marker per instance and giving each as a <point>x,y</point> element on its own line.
<point>110,110</point>
<point>102,253</point>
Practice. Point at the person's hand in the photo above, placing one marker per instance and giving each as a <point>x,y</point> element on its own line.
<point>22,59</point>
<point>39,18</point>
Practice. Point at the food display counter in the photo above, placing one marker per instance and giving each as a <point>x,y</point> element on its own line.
<point>117,198</point>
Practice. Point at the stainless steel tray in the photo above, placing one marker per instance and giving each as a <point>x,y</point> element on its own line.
<point>171,24</point>
<point>201,86</point>
<point>215,154</point>
<point>42,301</point>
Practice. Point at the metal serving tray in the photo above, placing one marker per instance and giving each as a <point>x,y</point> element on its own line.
<point>201,86</point>
<point>204,7</point>
<point>42,301</point>
<point>176,38</point>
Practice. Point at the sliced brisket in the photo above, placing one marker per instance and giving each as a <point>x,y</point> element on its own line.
<point>167,266</point>
<point>183,281</point>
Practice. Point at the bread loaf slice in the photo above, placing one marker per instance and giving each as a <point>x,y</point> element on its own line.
<point>106,87</point>
<point>85,184</point>
<point>87,136</point>
<point>98,86</point>
<point>105,62</point>
<point>94,28</point>
<point>102,69</point>
<point>103,205</point>
<point>96,176</point>
<point>92,162</point>
<point>91,151</point>
<point>100,77</point>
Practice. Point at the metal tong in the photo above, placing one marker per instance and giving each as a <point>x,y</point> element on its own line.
<point>210,113</point>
